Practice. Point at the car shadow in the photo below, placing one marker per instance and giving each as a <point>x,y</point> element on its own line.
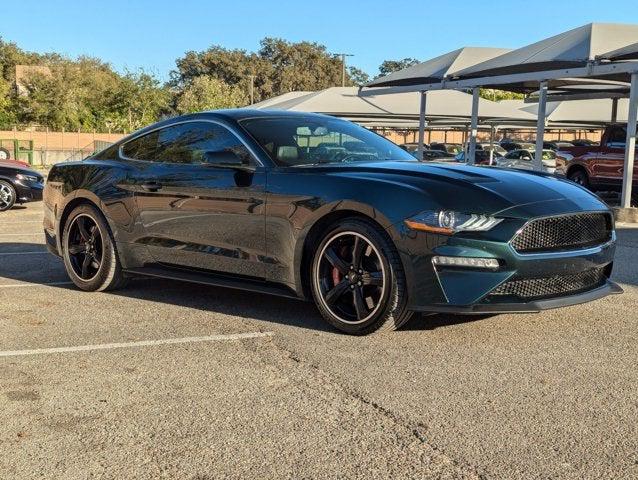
<point>48,269</point>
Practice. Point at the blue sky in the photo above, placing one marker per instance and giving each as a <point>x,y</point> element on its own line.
<point>152,34</point>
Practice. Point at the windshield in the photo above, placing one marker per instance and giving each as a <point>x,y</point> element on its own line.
<point>292,141</point>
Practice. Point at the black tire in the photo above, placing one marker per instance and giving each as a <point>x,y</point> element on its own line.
<point>372,293</point>
<point>7,195</point>
<point>580,177</point>
<point>91,259</point>
<point>5,154</point>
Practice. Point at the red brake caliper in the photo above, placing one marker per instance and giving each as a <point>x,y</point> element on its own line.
<point>336,276</point>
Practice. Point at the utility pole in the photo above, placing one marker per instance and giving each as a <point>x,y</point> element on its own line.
<point>343,66</point>
<point>252,89</point>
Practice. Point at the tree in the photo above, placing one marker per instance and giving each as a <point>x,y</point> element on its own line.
<point>498,95</point>
<point>208,93</point>
<point>278,67</point>
<point>389,66</point>
<point>357,76</point>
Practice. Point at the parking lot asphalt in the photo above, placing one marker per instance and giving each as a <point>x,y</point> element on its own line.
<point>171,380</point>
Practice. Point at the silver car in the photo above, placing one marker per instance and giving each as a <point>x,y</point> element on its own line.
<point>524,160</point>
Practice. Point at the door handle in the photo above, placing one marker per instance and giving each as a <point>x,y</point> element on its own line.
<point>151,186</point>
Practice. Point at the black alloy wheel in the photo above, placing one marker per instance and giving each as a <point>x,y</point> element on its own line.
<point>88,250</point>
<point>357,279</point>
<point>351,277</point>
<point>84,246</point>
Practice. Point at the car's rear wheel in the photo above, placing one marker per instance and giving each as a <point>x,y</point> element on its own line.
<point>89,252</point>
<point>7,196</point>
<point>580,177</point>
<point>358,282</point>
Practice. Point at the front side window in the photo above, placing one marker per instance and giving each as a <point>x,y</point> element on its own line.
<point>618,136</point>
<point>294,141</point>
<point>185,143</point>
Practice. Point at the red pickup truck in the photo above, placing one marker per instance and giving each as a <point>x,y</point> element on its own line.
<point>599,167</point>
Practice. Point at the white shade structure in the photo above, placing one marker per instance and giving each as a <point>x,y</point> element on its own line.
<point>391,109</point>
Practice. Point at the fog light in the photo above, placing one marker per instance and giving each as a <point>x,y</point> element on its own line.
<point>467,262</point>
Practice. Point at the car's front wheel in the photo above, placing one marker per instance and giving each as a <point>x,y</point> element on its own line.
<point>358,282</point>
<point>580,177</point>
<point>89,252</point>
<point>7,196</point>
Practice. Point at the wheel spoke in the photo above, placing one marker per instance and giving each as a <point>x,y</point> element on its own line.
<point>82,229</point>
<point>357,251</point>
<point>336,261</point>
<point>75,249</point>
<point>85,265</point>
<point>94,233</point>
<point>372,278</point>
<point>359,303</point>
<point>336,292</point>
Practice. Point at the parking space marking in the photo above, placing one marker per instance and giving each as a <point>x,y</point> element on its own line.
<point>21,234</point>
<point>30,284</point>
<point>20,223</point>
<point>39,252</point>
<point>142,343</point>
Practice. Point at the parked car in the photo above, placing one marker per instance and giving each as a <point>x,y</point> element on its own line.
<point>495,146</point>
<point>18,185</point>
<point>247,199</point>
<point>434,156</point>
<point>510,145</point>
<point>556,145</point>
<point>583,142</point>
<point>413,147</point>
<point>452,148</point>
<point>482,157</point>
<point>599,167</point>
<point>524,160</point>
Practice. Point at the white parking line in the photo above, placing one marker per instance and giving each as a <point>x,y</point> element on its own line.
<point>143,343</point>
<point>29,284</point>
<point>21,234</point>
<point>21,222</point>
<point>39,252</point>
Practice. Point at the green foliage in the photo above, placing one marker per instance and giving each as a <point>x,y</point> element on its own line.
<point>389,66</point>
<point>278,67</point>
<point>357,76</point>
<point>498,95</point>
<point>208,93</point>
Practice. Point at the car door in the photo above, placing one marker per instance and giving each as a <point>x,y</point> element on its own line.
<point>195,212</point>
<point>608,164</point>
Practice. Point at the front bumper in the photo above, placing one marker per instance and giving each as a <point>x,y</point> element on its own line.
<point>460,289</point>
<point>28,191</point>
<point>535,306</point>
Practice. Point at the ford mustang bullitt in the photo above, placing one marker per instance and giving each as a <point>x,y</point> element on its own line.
<point>314,207</point>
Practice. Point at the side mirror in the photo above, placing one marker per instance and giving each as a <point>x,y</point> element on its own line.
<point>224,159</point>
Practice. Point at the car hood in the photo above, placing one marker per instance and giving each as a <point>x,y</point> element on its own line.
<point>478,189</point>
<point>18,168</point>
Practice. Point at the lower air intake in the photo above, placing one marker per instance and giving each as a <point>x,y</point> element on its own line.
<point>555,286</point>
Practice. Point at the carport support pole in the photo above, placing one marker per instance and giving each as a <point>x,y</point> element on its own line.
<point>491,144</point>
<point>540,126</point>
<point>473,126</point>
<point>630,149</point>
<point>421,125</point>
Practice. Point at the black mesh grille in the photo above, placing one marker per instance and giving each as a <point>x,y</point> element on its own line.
<point>565,232</point>
<point>531,288</point>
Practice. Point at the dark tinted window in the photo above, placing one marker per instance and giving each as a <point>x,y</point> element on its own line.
<point>618,135</point>
<point>301,140</point>
<point>185,143</point>
<point>142,148</point>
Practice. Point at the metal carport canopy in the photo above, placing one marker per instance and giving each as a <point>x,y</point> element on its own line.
<point>565,63</point>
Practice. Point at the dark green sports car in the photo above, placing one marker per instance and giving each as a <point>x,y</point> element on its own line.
<point>313,207</point>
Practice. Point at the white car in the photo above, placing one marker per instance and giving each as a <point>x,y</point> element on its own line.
<point>524,160</point>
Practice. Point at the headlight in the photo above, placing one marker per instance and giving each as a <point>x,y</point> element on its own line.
<point>449,222</point>
<point>29,178</point>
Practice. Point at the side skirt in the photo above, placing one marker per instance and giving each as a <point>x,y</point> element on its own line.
<point>214,279</point>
